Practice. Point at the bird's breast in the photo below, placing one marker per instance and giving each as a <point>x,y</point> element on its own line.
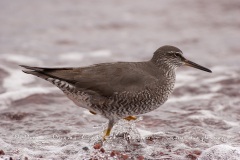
<point>133,103</point>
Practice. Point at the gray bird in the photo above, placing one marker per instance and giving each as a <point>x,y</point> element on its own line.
<point>122,89</point>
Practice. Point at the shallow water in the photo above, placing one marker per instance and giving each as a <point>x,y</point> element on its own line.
<point>201,118</point>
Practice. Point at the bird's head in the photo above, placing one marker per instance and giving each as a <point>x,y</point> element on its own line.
<point>173,57</point>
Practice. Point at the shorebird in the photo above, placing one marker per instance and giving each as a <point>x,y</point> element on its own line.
<point>119,90</point>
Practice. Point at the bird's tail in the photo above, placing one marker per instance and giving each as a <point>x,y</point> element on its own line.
<point>52,75</point>
<point>36,71</point>
<point>63,74</point>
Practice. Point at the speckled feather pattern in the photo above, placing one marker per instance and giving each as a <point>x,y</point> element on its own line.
<point>79,98</point>
<point>135,103</point>
<point>122,104</point>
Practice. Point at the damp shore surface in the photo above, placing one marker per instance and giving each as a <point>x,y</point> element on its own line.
<point>199,121</point>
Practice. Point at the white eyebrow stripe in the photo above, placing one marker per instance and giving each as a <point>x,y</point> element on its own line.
<point>174,52</point>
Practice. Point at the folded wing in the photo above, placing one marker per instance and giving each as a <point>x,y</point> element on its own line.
<point>105,79</point>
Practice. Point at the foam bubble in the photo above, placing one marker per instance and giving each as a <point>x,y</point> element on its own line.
<point>221,152</point>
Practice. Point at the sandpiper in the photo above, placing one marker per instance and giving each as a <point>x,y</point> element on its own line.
<point>119,90</point>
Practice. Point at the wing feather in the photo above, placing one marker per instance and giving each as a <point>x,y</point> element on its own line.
<point>106,79</point>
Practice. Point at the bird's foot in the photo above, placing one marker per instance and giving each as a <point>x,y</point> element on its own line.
<point>106,133</point>
<point>129,118</point>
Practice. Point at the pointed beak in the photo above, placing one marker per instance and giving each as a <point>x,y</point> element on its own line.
<point>192,64</point>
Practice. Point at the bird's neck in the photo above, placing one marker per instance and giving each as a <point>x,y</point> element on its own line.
<point>169,73</point>
<point>167,70</point>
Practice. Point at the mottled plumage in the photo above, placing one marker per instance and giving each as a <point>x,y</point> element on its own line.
<point>122,89</point>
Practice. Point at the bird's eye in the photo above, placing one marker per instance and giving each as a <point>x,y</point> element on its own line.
<point>177,55</point>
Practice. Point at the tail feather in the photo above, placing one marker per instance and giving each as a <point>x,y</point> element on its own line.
<point>45,73</point>
<point>43,68</point>
<point>32,68</point>
<point>37,73</point>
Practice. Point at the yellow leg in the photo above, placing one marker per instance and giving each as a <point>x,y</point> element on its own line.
<point>92,112</point>
<point>129,118</point>
<point>108,130</point>
<point>106,133</point>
